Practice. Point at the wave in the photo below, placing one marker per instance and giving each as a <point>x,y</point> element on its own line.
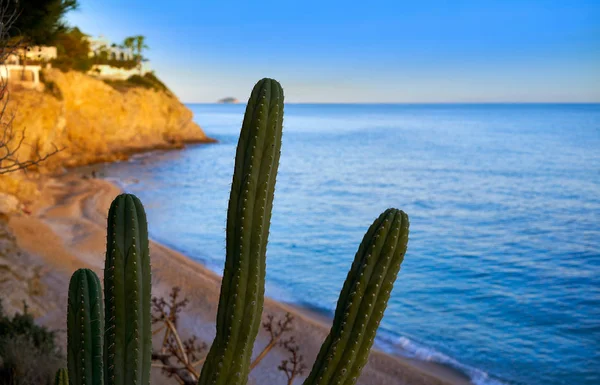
<point>406,347</point>
<point>399,346</point>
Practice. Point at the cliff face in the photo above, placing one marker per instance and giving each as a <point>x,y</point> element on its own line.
<point>94,122</point>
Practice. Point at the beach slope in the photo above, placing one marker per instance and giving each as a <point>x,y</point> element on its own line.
<point>66,231</point>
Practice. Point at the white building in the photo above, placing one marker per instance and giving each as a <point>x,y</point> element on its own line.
<point>99,45</point>
<point>36,53</point>
<point>26,76</point>
<point>103,48</point>
<point>108,72</point>
<point>41,53</point>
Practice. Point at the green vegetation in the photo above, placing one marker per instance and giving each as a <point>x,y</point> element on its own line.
<point>50,87</point>
<point>103,59</point>
<point>127,276</point>
<point>85,328</point>
<point>365,293</point>
<point>248,221</point>
<point>362,301</point>
<point>139,45</point>
<point>136,45</point>
<point>40,22</point>
<point>73,51</point>
<point>23,342</point>
<point>129,44</point>
<point>148,81</point>
<point>62,377</point>
<point>116,349</point>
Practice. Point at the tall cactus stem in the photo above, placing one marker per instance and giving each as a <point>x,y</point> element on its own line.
<point>362,301</point>
<point>248,220</point>
<point>127,281</point>
<point>85,329</point>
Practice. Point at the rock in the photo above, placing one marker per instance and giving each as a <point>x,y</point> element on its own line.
<point>21,279</point>
<point>94,122</point>
<point>9,204</point>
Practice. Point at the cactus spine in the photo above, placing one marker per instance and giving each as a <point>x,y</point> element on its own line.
<point>362,301</point>
<point>128,337</point>
<point>248,220</point>
<point>85,328</point>
<point>62,377</point>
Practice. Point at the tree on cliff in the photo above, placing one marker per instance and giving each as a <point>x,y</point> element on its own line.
<point>73,51</point>
<point>40,21</point>
<point>140,46</point>
<point>129,44</point>
<point>11,140</point>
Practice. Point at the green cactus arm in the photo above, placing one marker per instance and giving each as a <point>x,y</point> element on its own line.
<point>85,328</point>
<point>127,284</point>
<point>61,377</point>
<point>248,220</point>
<point>362,301</point>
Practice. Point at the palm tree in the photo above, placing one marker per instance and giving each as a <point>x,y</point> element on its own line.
<point>140,46</point>
<point>129,43</point>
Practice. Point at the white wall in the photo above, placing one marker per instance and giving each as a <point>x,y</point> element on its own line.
<point>104,71</point>
<point>13,74</point>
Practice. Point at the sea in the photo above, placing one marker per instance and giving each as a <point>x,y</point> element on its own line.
<point>501,279</point>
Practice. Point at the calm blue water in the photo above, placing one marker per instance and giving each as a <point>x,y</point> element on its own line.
<point>502,274</point>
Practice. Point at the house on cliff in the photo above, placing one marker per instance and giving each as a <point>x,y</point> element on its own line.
<point>110,62</point>
<point>113,62</point>
<point>24,65</point>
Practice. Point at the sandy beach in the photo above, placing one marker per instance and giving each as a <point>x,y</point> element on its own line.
<point>66,231</point>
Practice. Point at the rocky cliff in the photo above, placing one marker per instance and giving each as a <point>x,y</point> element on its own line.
<point>92,121</point>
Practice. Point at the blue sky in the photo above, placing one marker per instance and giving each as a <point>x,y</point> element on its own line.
<point>368,51</point>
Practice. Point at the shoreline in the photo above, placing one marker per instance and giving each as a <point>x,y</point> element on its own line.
<point>66,231</point>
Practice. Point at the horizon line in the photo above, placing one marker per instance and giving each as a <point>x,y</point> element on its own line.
<point>416,103</point>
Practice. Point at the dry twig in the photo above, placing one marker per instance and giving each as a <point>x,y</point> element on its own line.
<point>176,358</point>
<point>276,330</point>
<point>181,359</point>
<point>294,366</point>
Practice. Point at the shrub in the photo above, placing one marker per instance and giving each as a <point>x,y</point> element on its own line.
<point>148,81</point>
<point>73,49</point>
<point>52,89</point>
<point>28,352</point>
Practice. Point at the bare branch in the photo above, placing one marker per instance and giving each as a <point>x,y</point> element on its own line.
<point>294,366</point>
<point>176,358</point>
<point>181,359</point>
<point>276,331</point>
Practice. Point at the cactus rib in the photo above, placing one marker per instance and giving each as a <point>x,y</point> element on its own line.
<point>127,276</point>
<point>62,377</point>
<point>85,328</point>
<point>362,301</point>
<point>248,220</point>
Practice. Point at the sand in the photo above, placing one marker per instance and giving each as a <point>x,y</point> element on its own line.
<point>66,231</point>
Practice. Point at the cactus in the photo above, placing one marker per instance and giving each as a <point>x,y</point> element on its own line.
<point>62,377</point>
<point>362,301</point>
<point>126,355</point>
<point>128,335</point>
<point>248,220</point>
<point>85,329</point>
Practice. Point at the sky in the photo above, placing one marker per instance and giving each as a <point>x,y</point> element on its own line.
<point>428,51</point>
